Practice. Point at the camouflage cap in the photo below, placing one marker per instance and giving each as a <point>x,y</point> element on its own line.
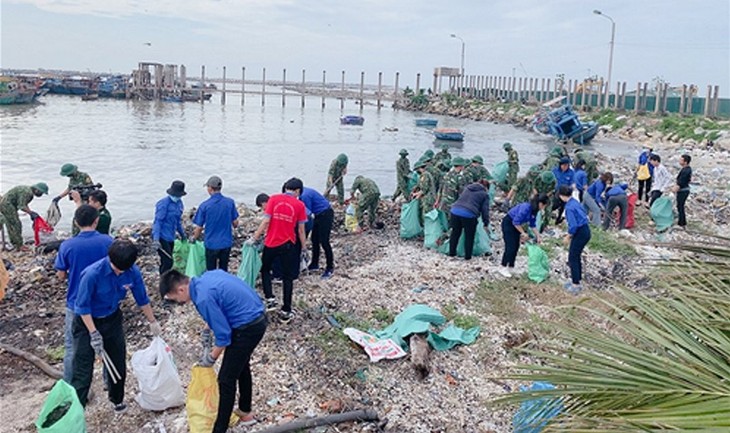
<point>534,169</point>
<point>556,151</point>
<point>68,169</point>
<point>477,158</point>
<point>428,153</point>
<point>41,186</point>
<point>507,146</point>
<point>403,152</point>
<point>342,158</point>
<point>458,161</point>
<point>444,146</point>
<point>547,176</point>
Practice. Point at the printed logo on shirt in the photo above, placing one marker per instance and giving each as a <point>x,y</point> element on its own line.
<point>283,212</point>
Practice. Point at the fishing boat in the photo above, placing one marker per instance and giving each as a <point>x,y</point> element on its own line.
<point>557,119</point>
<point>427,122</point>
<point>90,97</point>
<point>448,134</point>
<point>70,85</point>
<point>172,98</point>
<point>18,90</point>
<point>352,120</point>
<point>113,87</point>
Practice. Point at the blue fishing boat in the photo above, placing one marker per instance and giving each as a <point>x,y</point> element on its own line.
<point>557,118</point>
<point>352,120</point>
<point>448,134</point>
<point>427,122</point>
<point>113,87</point>
<point>71,86</point>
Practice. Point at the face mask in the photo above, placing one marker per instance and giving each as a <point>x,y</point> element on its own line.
<point>175,199</point>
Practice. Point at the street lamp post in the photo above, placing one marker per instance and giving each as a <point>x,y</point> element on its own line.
<point>610,54</point>
<point>463,45</point>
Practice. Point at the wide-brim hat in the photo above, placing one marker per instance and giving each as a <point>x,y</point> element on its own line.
<point>403,152</point>
<point>177,189</point>
<point>478,158</point>
<point>68,169</point>
<point>458,161</point>
<point>41,186</point>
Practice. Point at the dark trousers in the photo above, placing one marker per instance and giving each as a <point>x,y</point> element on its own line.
<point>580,195</point>
<point>653,196</point>
<point>644,184</point>
<point>236,369</point>
<point>288,255</point>
<point>469,226</point>
<point>577,244</point>
<point>321,230</point>
<point>681,200</point>
<point>511,237</point>
<point>165,259</point>
<point>112,331</point>
<point>217,259</point>
<point>558,205</point>
<point>615,201</point>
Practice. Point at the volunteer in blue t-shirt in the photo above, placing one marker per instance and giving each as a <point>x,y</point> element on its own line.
<point>218,216</point>
<point>235,315</point>
<point>168,223</point>
<point>74,255</point>
<point>578,236</point>
<point>513,229</point>
<point>324,216</point>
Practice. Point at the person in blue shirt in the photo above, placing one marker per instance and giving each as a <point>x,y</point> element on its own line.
<point>168,224</point>
<point>514,233</point>
<point>218,216</point>
<point>564,176</point>
<point>97,327</point>
<point>616,197</point>
<point>324,216</point>
<point>581,179</point>
<point>578,236</point>
<point>74,255</point>
<point>235,315</point>
<point>594,201</point>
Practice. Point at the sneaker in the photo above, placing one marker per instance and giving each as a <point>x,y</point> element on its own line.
<point>571,288</point>
<point>311,268</point>
<point>271,304</point>
<point>504,272</point>
<point>327,274</point>
<point>285,316</point>
<point>119,408</point>
<point>243,418</point>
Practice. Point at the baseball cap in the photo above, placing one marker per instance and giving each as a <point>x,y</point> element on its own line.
<point>214,182</point>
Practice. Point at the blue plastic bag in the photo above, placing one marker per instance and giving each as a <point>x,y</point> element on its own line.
<point>533,415</point>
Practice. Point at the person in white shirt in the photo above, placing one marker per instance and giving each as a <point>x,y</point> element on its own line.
<point>662,180</point>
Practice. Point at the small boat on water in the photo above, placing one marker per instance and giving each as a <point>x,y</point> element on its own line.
<point>427,122</point>
<point>352,120</point>
<point>19,90</point>
<point>172,99</point>
<point>448,134</point>
<point>90,97</point>
<point>70,85</point>
<point>557,118</point>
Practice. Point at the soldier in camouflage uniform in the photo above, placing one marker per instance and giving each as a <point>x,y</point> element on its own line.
<point>476,171</point>
<point>17,199</point>
<point>545,184</point>
<point>424,191</point>
<point>403,172</point>
<point>436,173</point>
<point>591,166</point>
<point>524,188</point>
<point>513,159</point>
<point>452,185</point>
<point>76,178</point>
<point>368,200</point>
<point>335,175</point>
<point>556,153</point>
<point>442,160</point>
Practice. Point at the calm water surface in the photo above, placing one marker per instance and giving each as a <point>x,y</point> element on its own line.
<point>136,148</point>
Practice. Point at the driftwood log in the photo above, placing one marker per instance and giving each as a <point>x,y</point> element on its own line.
<point>419,355</point>
<point>355,415</point>
<point>41,364</point>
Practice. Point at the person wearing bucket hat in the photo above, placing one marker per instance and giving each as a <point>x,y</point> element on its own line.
<point>513,161</point>
<point>453,183</point>
<point>167,224</point>
<point>217,216</point>
<point>17,199</point>
<point>335,177</point>
<point>76,178</point>
<point>475,171</point>
<point>524,188</point>
<point>564,176</point>
<point>403,172</point>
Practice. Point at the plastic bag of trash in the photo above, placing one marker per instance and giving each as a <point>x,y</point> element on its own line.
<point>202,401</point>
<point>350,220</point>
<point>499,172</point>
<point>159,383</point>
<point>434,229</point>
<point>412,182</point>
<point>53,214</point>
<point>180,250</point>
<point>195,266</point>
<point>482,243</point>
<point>410,226</point>
<point>250,265</point>
<point>538,264</point>
<point>533,415</point>
<point>62,411</point>
<point>662,214</point>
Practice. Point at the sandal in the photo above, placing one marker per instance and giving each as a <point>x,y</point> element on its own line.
<point>245,419</point>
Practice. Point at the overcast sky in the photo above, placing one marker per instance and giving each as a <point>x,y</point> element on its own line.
<point>680,41</point>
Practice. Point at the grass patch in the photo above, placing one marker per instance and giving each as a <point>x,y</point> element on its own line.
<point>383,315</point>
<point>685,127</point>
<point>465,321</point>
<point>55,353</point>
<point>610,117</point>
<point>609,245</point>
<point>333,342</point>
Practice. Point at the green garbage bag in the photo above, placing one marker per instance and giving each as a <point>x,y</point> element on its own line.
<point>250,265</point>
<point>662,213</point>
<point>492,192</point>
<point>482,243</point>
<point>410,226</point>
<point>62,411</point>
<point>538,264</point>
<point>412,182</point>
<point>434,229</point>
<point>196,260</point>
<point>180,251</point>
<point>499,172</point>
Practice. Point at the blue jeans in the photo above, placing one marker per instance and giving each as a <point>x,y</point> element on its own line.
<point>68,345</point>
<point>591,207</point>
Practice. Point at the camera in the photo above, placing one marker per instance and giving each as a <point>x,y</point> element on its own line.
<point>85,190</point>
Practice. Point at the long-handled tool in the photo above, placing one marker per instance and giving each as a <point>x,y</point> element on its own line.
<point>332,185</point>
<point>110,367</point>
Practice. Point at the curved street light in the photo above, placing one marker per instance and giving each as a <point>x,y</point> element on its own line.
<point>610,54</point>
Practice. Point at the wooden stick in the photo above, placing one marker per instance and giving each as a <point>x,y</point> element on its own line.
<point>41,364</point>
<point>355,415</point>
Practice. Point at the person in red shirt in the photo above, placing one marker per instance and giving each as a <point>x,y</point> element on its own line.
<point>283,214</point>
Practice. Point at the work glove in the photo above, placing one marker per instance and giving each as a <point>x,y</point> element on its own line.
<point>155,328</point>
<point>250,242</point>
<point>206,360</point>
<point>206,338</point>
<point>33,216</point>
<point>97,342</point>
<point>56,199</point>
<point>191,240</point>
<point>156,245</point>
